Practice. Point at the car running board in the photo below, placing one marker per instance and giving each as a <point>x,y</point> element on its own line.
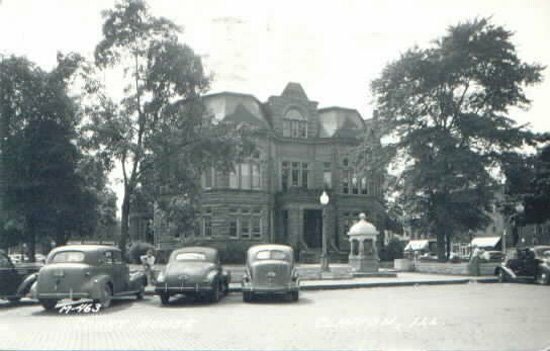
<point>127,293</point>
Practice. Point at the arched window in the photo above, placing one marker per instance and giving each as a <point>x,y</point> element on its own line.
<point>294,124</point>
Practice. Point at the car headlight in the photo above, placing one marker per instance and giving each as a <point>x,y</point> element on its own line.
<point>161,278</point>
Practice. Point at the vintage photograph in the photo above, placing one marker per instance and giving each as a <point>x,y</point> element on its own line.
<point>274,175</point>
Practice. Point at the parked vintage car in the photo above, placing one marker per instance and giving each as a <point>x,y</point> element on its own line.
<point>86,272</point>
<point>270,270</point>
<point>526,264</point>
<point>193,271</point>
<point>16,279</point>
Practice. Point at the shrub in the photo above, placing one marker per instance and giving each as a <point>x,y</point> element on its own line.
<point>137,250</point>
<point>393,250</point>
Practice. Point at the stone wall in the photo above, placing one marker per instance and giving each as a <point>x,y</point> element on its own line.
<point>453,268</point>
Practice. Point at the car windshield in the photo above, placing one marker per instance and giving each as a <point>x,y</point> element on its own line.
<point>271,255</point>
<point>68,257</point>
<point>190,256</point>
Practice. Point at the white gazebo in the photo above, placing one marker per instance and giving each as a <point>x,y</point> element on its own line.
<point>363,257</point>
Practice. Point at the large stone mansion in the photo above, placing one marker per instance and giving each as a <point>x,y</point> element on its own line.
<point>273,197</point>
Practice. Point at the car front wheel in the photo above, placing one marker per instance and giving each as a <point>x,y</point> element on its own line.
<point>215,294</point>
<point>501,276</point>
<point>48,304</point>
<point>542,278</point>
<point>225,288</point>
<point>248,296</point>
<point>139,295</point>
<point>164,299</point>
<point>106,296</point>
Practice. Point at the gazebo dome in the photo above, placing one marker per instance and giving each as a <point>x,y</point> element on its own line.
<point>363,227</point>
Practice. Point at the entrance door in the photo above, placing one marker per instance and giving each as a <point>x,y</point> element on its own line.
<point>313,228</point>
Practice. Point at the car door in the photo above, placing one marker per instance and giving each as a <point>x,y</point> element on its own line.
<point>121,271</point>
<point>515,262</point>
<point>109,267</point>
<point>529,264</point>
<point>9,279</point>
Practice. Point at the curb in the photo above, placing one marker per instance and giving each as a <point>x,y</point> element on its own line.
<point>359,285</point>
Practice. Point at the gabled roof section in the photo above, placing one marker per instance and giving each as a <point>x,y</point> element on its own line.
<point>295,91</point>
<point>235,107</point>
<point>340,122</point>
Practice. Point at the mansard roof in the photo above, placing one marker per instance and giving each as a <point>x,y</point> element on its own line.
<point>237,107</point>
<point>340,122</point>
<point>334,122</point>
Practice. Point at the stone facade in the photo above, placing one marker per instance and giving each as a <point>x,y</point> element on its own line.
<point>273,197</point>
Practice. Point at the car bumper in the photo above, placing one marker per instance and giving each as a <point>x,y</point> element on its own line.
<point>195,288</point>
<point>249,287</point>
<point>60,296</point>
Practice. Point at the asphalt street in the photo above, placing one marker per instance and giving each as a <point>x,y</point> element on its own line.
<point>469,316</point>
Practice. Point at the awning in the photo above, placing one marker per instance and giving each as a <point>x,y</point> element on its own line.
<point>486,242</point>
<point>417,245</point>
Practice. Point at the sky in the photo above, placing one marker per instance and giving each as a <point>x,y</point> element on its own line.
<point>333,48</point>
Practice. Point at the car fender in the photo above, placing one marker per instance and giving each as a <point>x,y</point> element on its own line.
<point>544,268</point>
<point>226,276</point>
<point>25,286</point>
<point>137,280</point>
<point>95,284</point>
<point>506,270</point>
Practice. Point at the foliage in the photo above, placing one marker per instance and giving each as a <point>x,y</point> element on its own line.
<point>138,249</point>
<point>393,250</point>
<point>159,132</point>
<point>537,201</point>
<point>446,111</point>
<point>103,221</point>
<point>45,194</point>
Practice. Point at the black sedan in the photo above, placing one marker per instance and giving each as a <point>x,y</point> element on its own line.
<point>15,280</point>
<point>526,264</point>
<point>193,271</point>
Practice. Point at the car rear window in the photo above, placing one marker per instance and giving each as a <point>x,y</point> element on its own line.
<point>68,257</point>
<point>271,255</point>
<point>191,256</point>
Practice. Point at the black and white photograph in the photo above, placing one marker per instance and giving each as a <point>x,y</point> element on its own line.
<point>274,175</point>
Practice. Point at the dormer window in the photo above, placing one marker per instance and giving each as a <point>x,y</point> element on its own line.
<point>294,124</point>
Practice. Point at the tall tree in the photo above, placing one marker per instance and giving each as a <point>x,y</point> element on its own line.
<point>159,131</point>
<point>537,198</point>
<point>448,107</point>
<point>45,196</point>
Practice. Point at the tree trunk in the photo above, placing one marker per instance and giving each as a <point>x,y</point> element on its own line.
<point>31,243</point>
<point>448,245</point>
<point>441,246</point>
<point>124,221</point>
<point>4,124</point>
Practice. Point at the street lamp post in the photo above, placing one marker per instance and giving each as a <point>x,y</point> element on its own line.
<point>324,199</point>
<point>518,210</point>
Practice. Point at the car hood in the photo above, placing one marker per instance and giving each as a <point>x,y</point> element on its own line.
<point>193,269</point>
